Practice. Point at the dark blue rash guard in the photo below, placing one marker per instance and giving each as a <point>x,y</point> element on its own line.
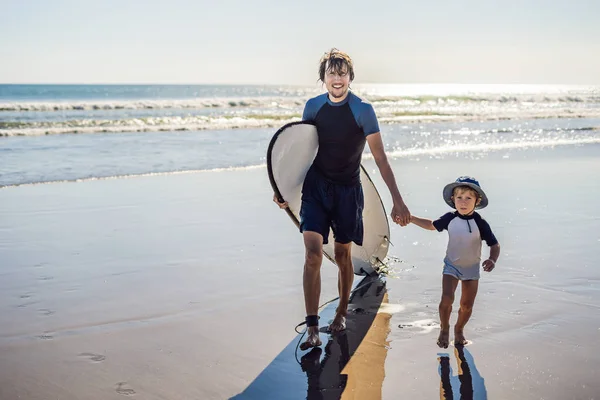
<point>342,128</point>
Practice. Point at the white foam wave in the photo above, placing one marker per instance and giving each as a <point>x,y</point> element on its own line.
<point>486,147</point>
<point>171,124</point>
<point>407,99</point>
<point>252,121</point>
<point>147,174</point>
<point>197,103</point>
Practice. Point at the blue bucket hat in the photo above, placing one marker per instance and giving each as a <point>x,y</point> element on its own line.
<point>465,181</point>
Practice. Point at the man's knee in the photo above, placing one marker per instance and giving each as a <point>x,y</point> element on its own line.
<point>314,257</point>
<point>342,254</point>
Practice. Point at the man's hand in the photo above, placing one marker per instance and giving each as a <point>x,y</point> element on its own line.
<point>400,214</point>
<point>281,205</point>
<point>488,265</point>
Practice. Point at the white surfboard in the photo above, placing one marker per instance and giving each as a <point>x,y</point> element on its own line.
<point>291,152</point>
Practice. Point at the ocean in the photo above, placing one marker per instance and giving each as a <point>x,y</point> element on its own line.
<point>52,133</point>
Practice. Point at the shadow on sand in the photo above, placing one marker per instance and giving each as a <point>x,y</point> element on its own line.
<point>468,383</point>
<point>324,374</point>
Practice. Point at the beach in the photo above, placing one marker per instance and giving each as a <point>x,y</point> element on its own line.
<point>181,286</point>
<point>141,254</point>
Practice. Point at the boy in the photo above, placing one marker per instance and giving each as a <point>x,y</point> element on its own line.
<point>466,229</point>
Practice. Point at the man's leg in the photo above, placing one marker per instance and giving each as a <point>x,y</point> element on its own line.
<point>343,260</point>
<point>313,244</point>
<point>467,299</point>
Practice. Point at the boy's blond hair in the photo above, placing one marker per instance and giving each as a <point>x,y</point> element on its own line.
<point>465,188</point>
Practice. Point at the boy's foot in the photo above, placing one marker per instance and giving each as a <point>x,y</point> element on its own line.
<point>312,340</point>
<point>338,324</point>
<point>444,338</point>
<point>459,338</point>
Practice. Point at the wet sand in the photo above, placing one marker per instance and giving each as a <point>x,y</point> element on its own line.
<point>189,286</point>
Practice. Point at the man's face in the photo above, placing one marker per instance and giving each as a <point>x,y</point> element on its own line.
<point>337,83</point>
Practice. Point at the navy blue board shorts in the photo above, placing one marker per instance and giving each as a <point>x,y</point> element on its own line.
<point>326,204</point>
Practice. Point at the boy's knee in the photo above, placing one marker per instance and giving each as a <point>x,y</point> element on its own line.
<point>466,305</point>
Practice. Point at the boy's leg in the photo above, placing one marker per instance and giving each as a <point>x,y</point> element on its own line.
<point>467,299</point>
<point>343,260</point>
<point>449,284</point>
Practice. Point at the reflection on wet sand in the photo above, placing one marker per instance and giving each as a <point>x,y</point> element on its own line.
<point>350,365</point>
<point>469,383</point>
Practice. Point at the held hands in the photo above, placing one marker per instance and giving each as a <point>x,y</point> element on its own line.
<point>488,265</point>
<point>281,205</point>
<point>400,214</point>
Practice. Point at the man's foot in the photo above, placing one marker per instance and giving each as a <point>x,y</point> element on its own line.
<point>459,338</point>
<point>312,340</point>
<point>338,324</point>
<point>443,339</point>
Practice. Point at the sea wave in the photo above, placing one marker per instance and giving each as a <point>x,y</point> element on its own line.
<point>398,153</point>
<point>291,102</point>
<point>255,121</point>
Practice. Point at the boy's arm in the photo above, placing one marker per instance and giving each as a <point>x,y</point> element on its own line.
<point>422,222</point>
<point>490,263</point>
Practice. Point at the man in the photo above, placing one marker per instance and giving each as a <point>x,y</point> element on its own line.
<point>332,195</point>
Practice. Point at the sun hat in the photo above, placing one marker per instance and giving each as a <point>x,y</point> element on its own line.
<point>465,181</point>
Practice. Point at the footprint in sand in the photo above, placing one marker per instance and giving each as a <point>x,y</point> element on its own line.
<point>424,326</point>
<point>93,356</point>
<point>45,336</point>
<point>27,304</point>
<point>124,391</point>
<point>45,311</point>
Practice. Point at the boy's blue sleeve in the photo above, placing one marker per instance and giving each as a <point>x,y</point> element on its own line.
<point>485,231</point>
<point>442,222</point>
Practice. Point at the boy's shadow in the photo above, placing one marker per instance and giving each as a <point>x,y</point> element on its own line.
<point>321,375</point>
<point>469,382</point>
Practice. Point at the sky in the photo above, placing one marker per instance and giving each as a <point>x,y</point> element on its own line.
<point>280,42</point>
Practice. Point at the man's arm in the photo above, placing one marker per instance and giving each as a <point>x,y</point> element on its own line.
<point>400,213</point>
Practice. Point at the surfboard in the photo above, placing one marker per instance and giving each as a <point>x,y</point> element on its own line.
<point>290,154</point>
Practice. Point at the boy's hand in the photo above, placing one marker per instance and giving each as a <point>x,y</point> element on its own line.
<point>488,265</point>
<point>281,205</point>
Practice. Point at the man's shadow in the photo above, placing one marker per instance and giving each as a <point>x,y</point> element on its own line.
<point>468,382</point>
<point>319,374</point>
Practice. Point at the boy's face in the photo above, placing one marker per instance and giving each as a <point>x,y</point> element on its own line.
<point>337,82</point>
<point>465,200</point>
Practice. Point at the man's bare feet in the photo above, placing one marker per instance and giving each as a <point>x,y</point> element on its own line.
<point>459,338</point>
<point>338,324</point>
<point>312,340</point>
<point>444,338</point>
